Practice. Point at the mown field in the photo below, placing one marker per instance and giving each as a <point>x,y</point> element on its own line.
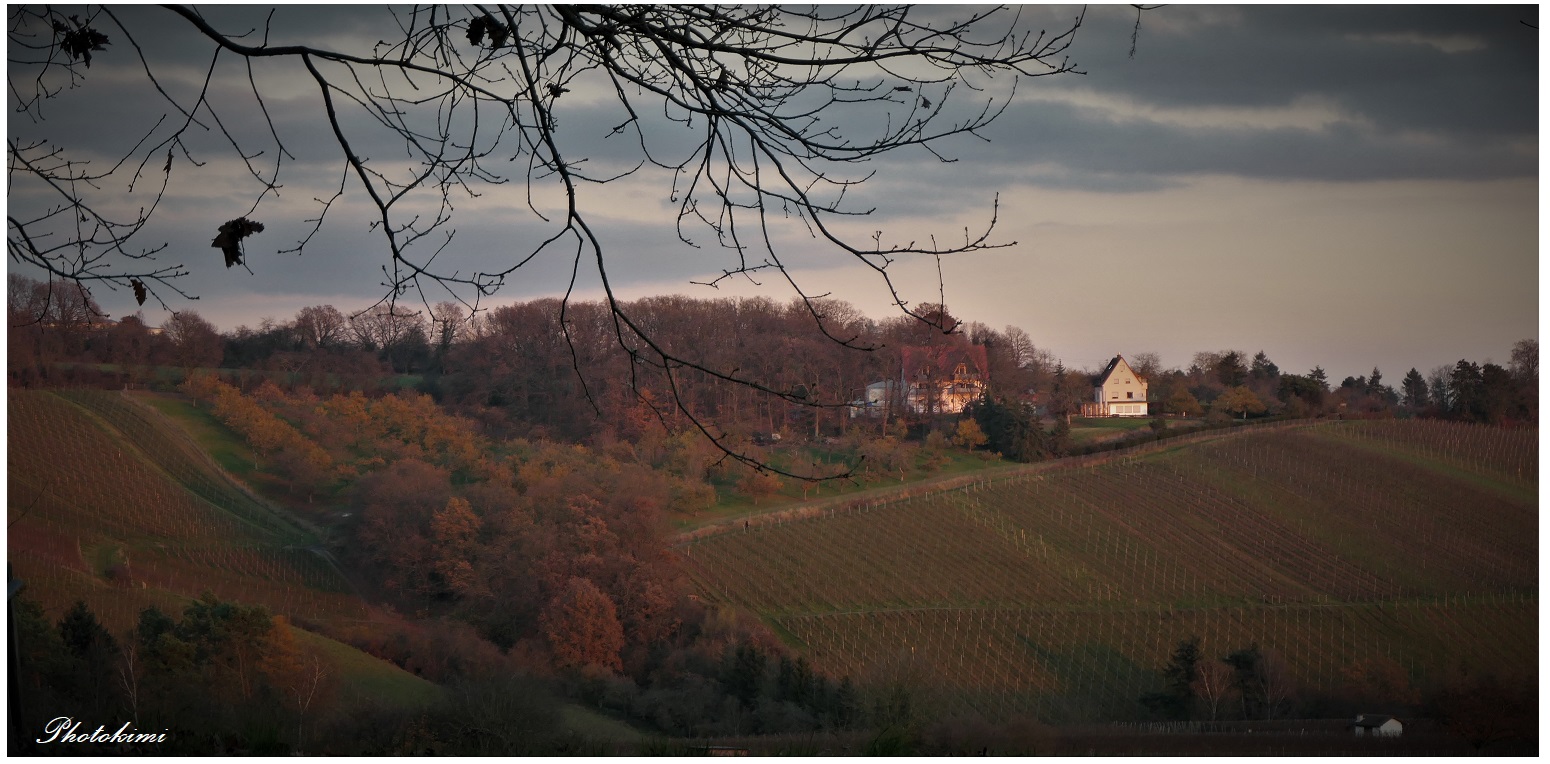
<point>1062,591</point>
<point>111,504</point>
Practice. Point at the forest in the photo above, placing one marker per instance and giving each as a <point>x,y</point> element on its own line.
<point>509,497</point>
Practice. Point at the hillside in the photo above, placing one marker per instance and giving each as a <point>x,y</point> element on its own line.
<point>158,524</point>
<point>1062,591</point>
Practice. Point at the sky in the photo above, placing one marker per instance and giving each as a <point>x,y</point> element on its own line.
<point>1343,186</point>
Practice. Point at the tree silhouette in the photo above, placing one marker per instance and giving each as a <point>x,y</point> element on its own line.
<point>763,118</point>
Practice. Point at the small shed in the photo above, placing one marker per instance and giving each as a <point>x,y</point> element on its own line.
<point>1377,725</point>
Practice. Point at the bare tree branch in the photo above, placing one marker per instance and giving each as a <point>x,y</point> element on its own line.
<point>786,106</point>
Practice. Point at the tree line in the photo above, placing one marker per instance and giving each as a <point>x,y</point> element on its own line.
<point>1233,384</point>
<point>1253,683</point>
<point>518,367</point>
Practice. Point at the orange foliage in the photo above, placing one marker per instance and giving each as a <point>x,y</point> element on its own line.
<point>582,627</point>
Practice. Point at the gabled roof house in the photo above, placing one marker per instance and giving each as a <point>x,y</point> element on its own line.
<point>1119,391</point>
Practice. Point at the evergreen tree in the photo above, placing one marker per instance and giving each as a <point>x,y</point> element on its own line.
<point>846,704</point>
<point>743,675</point>
<point>1177,699</point>
<point>1230,370</point>
<point>1010,429</point>
<point>1319,378</point>
<point>1414,386</point>
<point>1263,368</point>
<point>1498,395</point>
<point>1059,440</point>
<point>1465,385</point>
<point>93,656</point>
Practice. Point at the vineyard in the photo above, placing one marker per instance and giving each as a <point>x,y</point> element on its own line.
<point>1061,591</point>
<point>155,524</point>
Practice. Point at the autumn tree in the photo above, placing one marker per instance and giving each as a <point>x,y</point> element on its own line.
<point>582,627</point>
<point>455,533</point>
<point>759,484</point>
<point>969,435</point>
<point>1238,400</point>
<point>1180,401</point>
<point>396,507</point>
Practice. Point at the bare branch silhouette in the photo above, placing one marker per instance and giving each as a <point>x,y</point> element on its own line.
<point>785,105</point>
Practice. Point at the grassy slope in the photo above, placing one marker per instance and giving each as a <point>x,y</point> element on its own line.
<point>366,678</point>
<point>1066,589</point>
<point>732,505</point>
<point>1093,430</point>
<point>181,526</point>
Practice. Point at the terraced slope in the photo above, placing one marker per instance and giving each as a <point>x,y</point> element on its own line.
<point>1061,592</point>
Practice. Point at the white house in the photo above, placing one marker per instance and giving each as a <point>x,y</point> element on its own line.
<point>1376,725</point>
<point>1119,392</point>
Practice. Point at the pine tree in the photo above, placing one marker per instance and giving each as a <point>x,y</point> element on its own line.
<point>1414,386</point>
<point>1177,699</point>
<point>1263,368</point>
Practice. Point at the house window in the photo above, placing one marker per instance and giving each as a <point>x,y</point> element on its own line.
<point>1130,396</point>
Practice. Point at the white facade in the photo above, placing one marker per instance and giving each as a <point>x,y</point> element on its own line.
<point>1120,391</point>
<point>946,396</point>
<point>1378,726</point>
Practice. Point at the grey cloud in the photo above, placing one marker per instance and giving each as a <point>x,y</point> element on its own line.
<point>1274,54</point>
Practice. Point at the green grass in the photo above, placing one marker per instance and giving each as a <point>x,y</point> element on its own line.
<point>595,726</point>
<point>1085,430</point>
<point>731,504</point>
<point>216,439</point>
<point>366,678</point>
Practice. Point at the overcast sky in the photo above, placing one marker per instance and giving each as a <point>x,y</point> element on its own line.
<point>1343,186</point>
